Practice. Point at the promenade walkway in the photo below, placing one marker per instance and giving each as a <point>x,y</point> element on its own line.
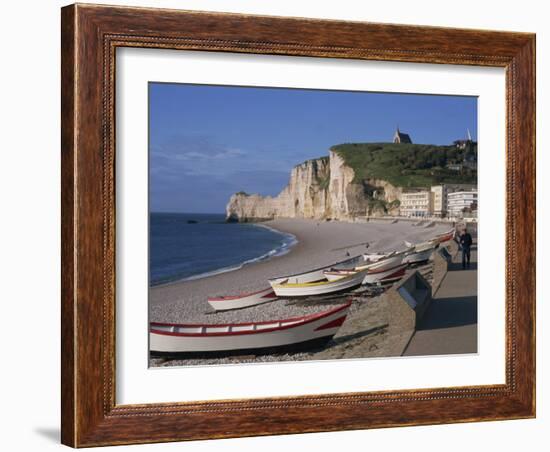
<point>450,323</point>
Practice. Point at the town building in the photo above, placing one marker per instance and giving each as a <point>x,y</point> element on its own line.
<point>416,204</point>
<point>400,137</point>
<point>439,200</point>
<point>441,193</point>
<point>462,204</point>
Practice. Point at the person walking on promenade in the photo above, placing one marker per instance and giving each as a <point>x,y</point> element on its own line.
<point>465,242</point>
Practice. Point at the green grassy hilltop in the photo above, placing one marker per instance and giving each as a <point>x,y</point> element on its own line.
<point>407,165</point>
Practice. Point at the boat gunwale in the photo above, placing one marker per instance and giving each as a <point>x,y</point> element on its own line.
<point>450,231</point>
<point>241,296</point>
<point>302,319</point>
<point>317,284</point>
<point>315,269</point>
<point>368,270</point>
<point>248,332</point>
<point>394,271</point>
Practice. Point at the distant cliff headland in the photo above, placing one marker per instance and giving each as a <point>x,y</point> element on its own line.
<point>358,179</point>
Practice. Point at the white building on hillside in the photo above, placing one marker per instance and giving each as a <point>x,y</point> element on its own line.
<point>462,203</point>
<point>416,204</point>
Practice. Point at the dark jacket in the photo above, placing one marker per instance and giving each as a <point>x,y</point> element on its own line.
<point>465,240</point>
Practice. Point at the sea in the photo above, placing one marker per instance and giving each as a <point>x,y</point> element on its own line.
<point>185,246</point>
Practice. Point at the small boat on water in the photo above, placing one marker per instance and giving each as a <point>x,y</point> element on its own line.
<point>203,339</point>
<point>324,287</point>
<point>243,300</point>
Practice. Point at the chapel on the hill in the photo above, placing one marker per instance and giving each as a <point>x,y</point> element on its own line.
<point>400,137</point>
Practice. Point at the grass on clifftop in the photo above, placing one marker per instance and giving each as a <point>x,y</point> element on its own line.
<point>407,165</point>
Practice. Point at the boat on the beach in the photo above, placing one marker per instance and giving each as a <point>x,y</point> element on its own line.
<point>379,263</point>
<point>385,275</point>
<point>244,300</point>
<point>417,247</point>
<point>369,258</point>
<point>335,274</point>
<point>420,255</point>
<point>376,275</point>
<point>202,339</point>
<point>389,261</point>
<point>324,287</point>
<point>315,275</point>
<point>420,252</point>
<point>445,237</point>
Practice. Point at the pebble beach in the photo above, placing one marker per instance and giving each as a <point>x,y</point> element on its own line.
<point>319,243</point>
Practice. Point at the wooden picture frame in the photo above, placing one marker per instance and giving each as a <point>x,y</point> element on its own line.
<point>90,36</point>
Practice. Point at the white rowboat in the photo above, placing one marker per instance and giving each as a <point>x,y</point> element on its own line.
<point>308,330</point>
<point>420,252</point>
<point>375,257</point>
<point>422,246</point>
<point>375,276</point>
<point>315,275</point>
<point>385,275</point>
<point>289,289</point>
<point>419,256</point>
<point>242,301</point>
<point>335,274</point>
<point>445,237</point>
<point>389,262</point>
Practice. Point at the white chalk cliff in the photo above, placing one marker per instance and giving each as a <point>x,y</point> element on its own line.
<point>320,188</point>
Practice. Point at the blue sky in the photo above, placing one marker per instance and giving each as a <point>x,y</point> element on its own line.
<point>208,142</point>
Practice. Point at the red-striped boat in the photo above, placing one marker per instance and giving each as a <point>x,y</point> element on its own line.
<point>243,300</point>
<point>372,276</point>
<point>386,276</point>
<point>296,333</point>
<point>445,237</point>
